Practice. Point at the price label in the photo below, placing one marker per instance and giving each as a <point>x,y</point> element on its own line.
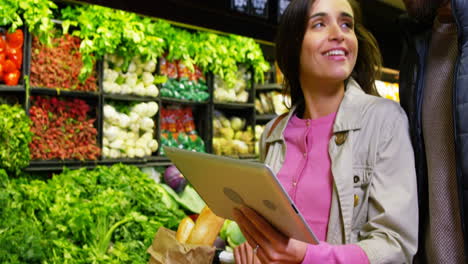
<point>240,5</point>
<point>259,7</point>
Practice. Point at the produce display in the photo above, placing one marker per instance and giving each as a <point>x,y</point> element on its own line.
<point>62,129</point>
<point>182,192</point>
<point>183,82</point>
<point>230,138</point>
<point>11,56</point>
<point>130,77</point>
<point>258,133</point>
<point>388,90</point>
<point>15,137</point>
<point>108,214</point>
<point>129,130</point>
<point>174,179</point>
<point>178,129</point>
<point>238,93</point>
<point>272,103</point>
<point>103,215</point>
<point>58,66</point>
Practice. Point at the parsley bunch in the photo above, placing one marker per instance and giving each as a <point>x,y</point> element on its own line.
<point>15,136</point>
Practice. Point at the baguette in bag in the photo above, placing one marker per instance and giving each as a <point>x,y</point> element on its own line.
<point>206,228</point>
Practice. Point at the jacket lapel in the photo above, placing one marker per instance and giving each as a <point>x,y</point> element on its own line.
<point>340,150</point>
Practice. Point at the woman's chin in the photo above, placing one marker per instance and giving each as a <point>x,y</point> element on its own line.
<point>339,76</point>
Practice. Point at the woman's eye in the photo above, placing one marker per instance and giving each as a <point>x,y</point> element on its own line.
<point>318,25</point>
<point>348,25</point>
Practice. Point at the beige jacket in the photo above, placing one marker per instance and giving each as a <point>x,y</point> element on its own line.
<point>374,200</point>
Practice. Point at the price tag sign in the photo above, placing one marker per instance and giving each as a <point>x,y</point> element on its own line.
<point>282,5</point>
<point>240,6</point>
<point>259,8</point>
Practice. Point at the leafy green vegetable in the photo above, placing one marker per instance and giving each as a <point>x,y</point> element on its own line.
<point>36,14</point>
<point>188,198</point>
<point>15,136</point>
<point>104,215</point>
<point>231,233</point>
<point>108,31</point>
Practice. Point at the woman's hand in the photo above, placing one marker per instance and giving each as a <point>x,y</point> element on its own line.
<point>243,254</point>
<point>273,246</point>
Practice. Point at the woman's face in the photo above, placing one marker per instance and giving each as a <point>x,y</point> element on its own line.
<point>329,49</point>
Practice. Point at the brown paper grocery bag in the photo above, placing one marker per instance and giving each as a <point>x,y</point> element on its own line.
<point>167,250</point>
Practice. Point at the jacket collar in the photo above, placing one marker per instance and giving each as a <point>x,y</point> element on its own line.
<point>347,118</point>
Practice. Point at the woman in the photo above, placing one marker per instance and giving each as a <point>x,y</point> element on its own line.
<point>343,155</point>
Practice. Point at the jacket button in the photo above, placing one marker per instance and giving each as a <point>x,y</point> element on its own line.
<point>356,179</point>
<point>356,200</point>
<point>340,138</point>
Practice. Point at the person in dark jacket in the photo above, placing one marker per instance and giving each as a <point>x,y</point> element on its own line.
<point>434,94</point>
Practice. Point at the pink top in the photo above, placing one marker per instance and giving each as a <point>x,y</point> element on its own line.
<point>306,176</point>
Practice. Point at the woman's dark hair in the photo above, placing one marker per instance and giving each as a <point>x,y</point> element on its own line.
<point>289,40</point>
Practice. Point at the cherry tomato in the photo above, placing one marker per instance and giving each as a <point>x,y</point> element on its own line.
<point>9,66</point>
<point>15,39</point>
<point>12,78</point>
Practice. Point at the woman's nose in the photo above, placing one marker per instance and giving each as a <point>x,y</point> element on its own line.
<point>335,33</point>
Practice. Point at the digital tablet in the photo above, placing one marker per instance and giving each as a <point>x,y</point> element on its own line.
<point>226,183</point>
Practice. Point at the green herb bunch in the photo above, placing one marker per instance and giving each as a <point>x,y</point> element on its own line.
<point>104,215</point>
<point>15,136</point>
<point>108,31</point>
<point>36,14</point>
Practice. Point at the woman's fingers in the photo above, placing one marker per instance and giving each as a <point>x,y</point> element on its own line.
<point>244,254</point>
<point>262,224</point>
<point>246,232</point>
<point>261,233</point>
<point>239,254</point>
<point>250,232</point>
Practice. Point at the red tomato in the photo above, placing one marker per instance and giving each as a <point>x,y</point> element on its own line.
<point>2,44</point>
<point>1,71</point>
<point>12,78</point>
<point>9,66</point>
<point>10,51</point>
<point>15,39</point>
<point>2,58</point>
<point>17,59</point>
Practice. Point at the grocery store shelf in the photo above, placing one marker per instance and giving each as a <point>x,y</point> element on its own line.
<point>9,88</point>
<point>129,97</point>
<point>233,105</point>
<point>268,87</point>
<point>265,118</point>
<point>390,75</point>
<point>245,157</point>
<point>154,161</point>
<point>58,165</point>
<point>58,92</point>
<point>181,101</point>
